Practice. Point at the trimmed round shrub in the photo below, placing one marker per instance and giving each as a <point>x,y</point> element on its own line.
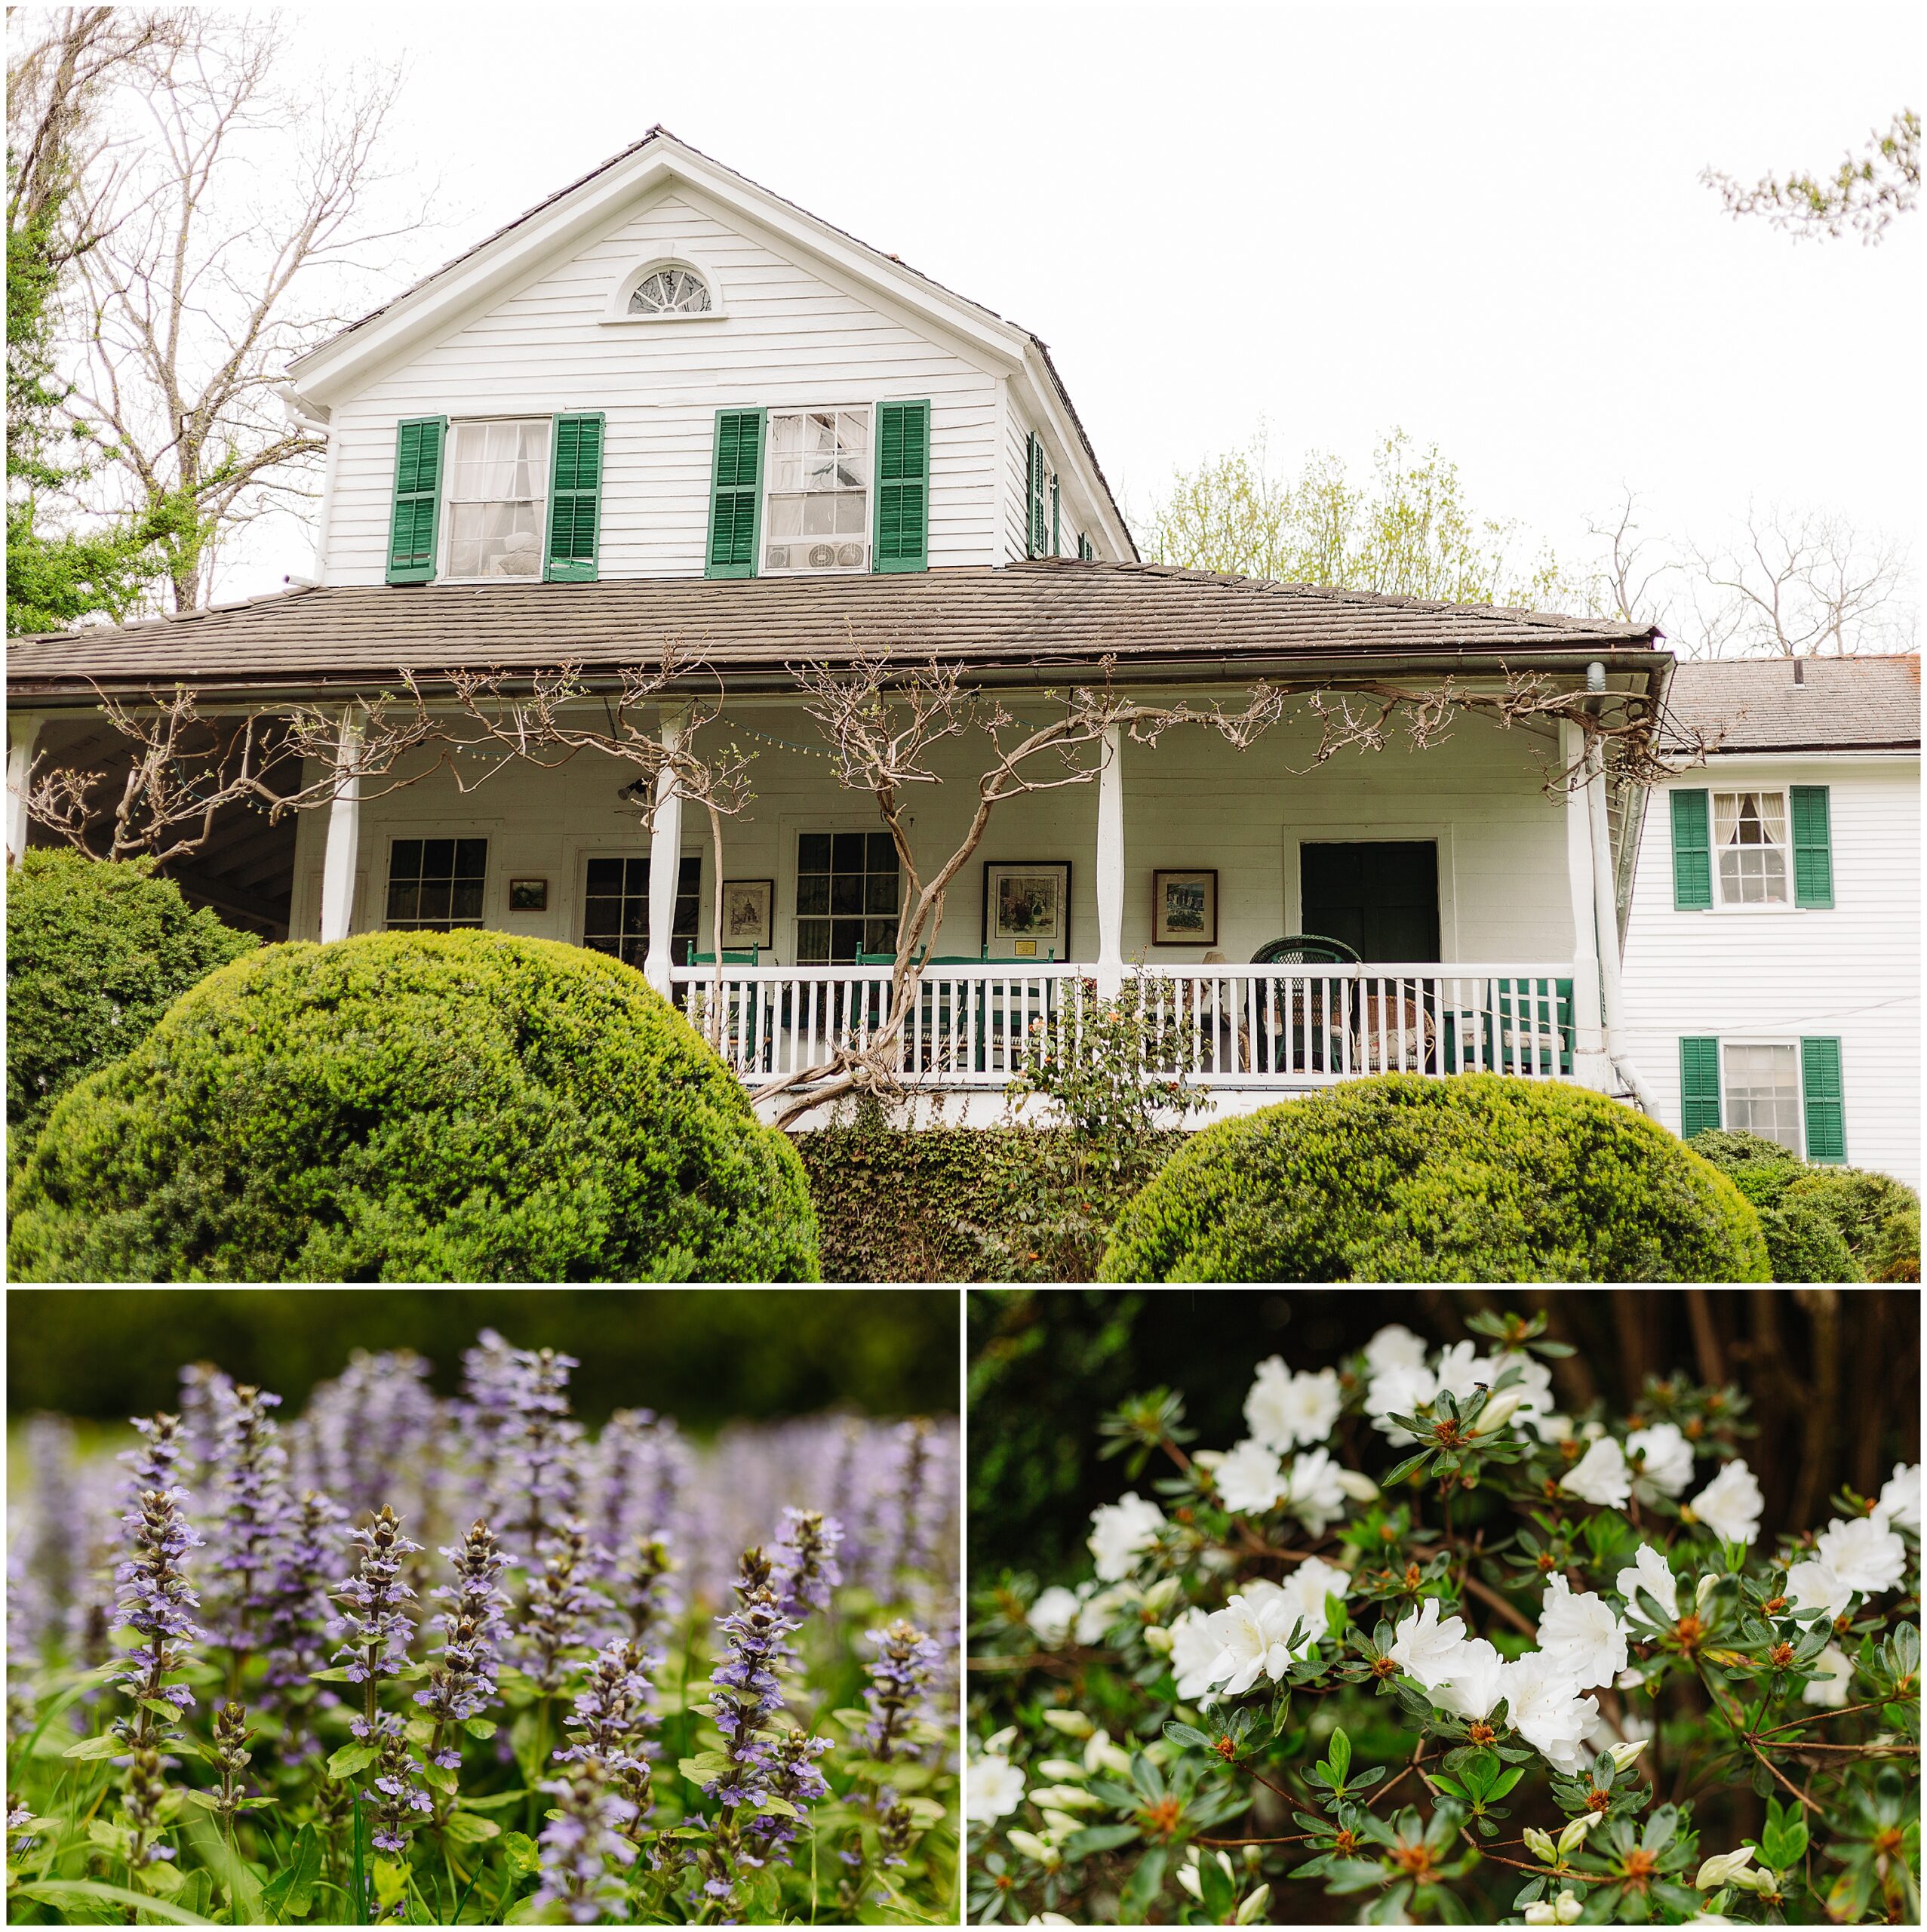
<point>1472,1178</point>
<point>96,953</point>
<point>1822,1224</point>
<point>414,1106</point>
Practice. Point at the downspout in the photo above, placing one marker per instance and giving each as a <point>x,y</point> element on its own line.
<point>1605,909</point>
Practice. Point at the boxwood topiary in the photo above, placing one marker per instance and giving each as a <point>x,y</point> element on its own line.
<point>1475,1177</point>
<point>406,1106</point>
<point>96,953</point>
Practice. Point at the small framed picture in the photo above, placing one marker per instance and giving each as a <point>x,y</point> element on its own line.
<point>749,912</point>
<point>1027,910</point>
<point>1184,910</point>
<point>528,895</point>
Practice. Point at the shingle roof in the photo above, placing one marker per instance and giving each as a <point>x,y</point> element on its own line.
<point>1052,617</point>
<point>659,133</point>
<point>1786,704</point>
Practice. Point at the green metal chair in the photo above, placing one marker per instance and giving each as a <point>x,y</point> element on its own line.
<point>1310,1044</point>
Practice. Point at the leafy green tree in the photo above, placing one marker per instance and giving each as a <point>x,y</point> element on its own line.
<point>1409,531</point>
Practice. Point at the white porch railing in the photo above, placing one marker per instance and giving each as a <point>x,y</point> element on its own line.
<point>1285,1027</point>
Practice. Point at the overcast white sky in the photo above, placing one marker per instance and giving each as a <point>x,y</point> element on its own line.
<point>1484,224</point>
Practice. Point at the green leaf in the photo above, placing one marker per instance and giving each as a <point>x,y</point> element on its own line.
<point>292,1891</point>
<point>73,1894</point>
<point>1399,1472</point>
<point>479,1726</point>
<point>351,1759</point>
<point>782,1808</point>
<point>705,1767</point>
<point>1141,1890</point>
<point>440,1776</point>
<point>466,1828</point>
<point>1338,1755</point>
<point>1098,1838</point>
<point>105,1746</point>
<point>524,1860</point>
<point>340,1676</point>
<point>1187,1735</point>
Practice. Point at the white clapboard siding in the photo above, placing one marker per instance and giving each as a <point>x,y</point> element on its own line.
<point>786,337</point>
<point>1188,803</point>
<point>1853,972</point>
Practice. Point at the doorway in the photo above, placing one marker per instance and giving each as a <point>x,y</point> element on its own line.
<point>1380,896</point>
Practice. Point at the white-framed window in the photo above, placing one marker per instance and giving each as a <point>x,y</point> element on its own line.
<point>1761,1089</point>
<point>674,289</point>
<point>615,903</point>
<point>498,498</point>
<point>816,492</point>
<point>1753,854</point>
<point>848,893</point>
<point>435,885</point>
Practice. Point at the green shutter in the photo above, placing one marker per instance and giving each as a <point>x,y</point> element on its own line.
<point>1825,1102</point>
<point>735,494</point>
<point>903,487</point>
<point>411,530</point>
<point>1036,460</point>
<point>1692,853</point>
<point>1085,553</point>
<point>1699,1087</point>
<point>1813,847</point>
<point>575,498</point>
<point>1056,522</point>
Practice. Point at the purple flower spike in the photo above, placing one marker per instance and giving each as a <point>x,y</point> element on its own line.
<point>537,1467</point>
<point>804,1570</point>
<point>551,1634</point>
<point>906,1659</point>
<point>584,1847</point>
<point>257,1518</point>
<point>399,1799</point>
<point>463,1685</point>
<point>373,1621</point>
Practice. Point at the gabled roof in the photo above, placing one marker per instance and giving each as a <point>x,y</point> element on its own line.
<point>500,260</point>
<point>1801,704</point>
<point>1054,619</point>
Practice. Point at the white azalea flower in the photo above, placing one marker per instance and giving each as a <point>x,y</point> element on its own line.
<point>1426,1649</point>
<point>1460,1367</point>
<point>1121,1532</point>
<point>1398,1390</point>
<point>1600,1476</point>
<point>1314,1491</point>
<point>1669,1457</point>
<point>1724,1869</point>
<point>1249,1479</point>
<point>1813,1585</point>
<point>1303,1597</point>
<point>1096,1614</point>
<point>1899,1496</point>
<point>1731,1503</point>
<point>1649,1572</point>
<point>1581,1635</point>
<point>1052,1615</point>
<point>1250,1630</point>
<point>1193,1650</point>
<point>1283,1411</point>
<point>1553,1428</point>
<point>1548,1710</point>
<point>1864,1553</point>
<point>1394,1347</point>
<point>994,1787</point>
<point>1357,1485</point>
<point>1475,1684</point>
<point>1829,1688</point>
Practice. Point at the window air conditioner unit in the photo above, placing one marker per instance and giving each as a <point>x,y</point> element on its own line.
<point>841,554</point>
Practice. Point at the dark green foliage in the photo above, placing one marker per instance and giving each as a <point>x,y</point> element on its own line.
<point>1822,1224</point>
<point>961,1203</point>
<point>96,953</point>
<point>1475,1177</point>
<point>407,1106</point>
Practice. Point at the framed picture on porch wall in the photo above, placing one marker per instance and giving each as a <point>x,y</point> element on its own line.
<point>749,912</point>
<point>1183,908</point>
<point>1027,910</point>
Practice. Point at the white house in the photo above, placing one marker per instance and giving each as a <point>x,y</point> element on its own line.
<point>1772,961</point>
<point>667,406</point>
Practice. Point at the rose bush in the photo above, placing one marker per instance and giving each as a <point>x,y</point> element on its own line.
<point>1499,1681</point>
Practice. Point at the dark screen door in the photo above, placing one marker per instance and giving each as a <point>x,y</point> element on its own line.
<point>1381,899</point>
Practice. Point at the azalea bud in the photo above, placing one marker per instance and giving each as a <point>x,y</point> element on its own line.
<point>1623,1754</point>
<point>1761,1881</point>
<point>998,1744</point>
<point>1058,1769</point>
<point>1188,1877</point>
<point>1100,1755</point>
<point>1724,1869</point>
<point>1561,1911</point>
<point>1707,1585</point>
<point>1540,1844</point>
<point>1356,1485</point>
<point>1157,1640</point>
<point>1498,1411</point>
<point>1574,1835</point>
<point>1252,1912</point>
<point>1073,1724</point>
<point>1067,1797</point>
<point>1038,1850</point>
<point>1061,1822</point>
<point>1161,1595</point>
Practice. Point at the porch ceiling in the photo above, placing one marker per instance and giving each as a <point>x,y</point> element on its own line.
<point>1044,620</point>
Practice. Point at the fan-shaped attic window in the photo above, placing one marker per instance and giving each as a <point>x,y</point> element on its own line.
<point>670,290</point>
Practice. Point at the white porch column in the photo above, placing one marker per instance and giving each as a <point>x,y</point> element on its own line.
<point>665,860</point>
<point>1110,865</point>
<point>22,734</point>
<point>343,849</point>
<point>1590,1061</point>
